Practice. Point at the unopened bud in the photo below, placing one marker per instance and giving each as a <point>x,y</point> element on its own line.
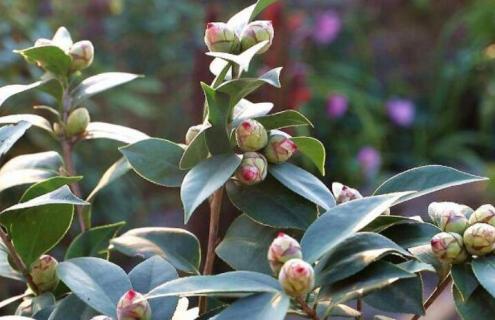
<point>484,214</point>
<point>343,193</point>
<point>256,32</point>
<point>280,148</point>
<point>58,130</point>
<point>77,122</point>
<point>251,135</point>
<point>44,275</point>
<point>479,239</point>
<point>132,306</point>
<point>449,216</point>
<point>220,37</point>
<point>82,53</point>
<point>192,132</point>
<point>449,247</point>
<point>282,249</point>
<point>253,168</point>
<point>297,277</point>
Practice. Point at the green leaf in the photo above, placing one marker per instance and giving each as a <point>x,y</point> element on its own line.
<point>6,270</point>
<point>177,246</point>
<point>424,254</point>
<point>378,275</point>
<point>13,89</point>
<point>464,279</point>
<point>93,242</point>
<point>13,299</point>
<point>46,186</point>
<point>242,60</point>
<point>343,220</point>
<point>313,149</point>
<point>97,282</point>
<point>29,168</point>
<point>103,130</point>
<point>284,119</point>
<point>242,18</point>
<point>484,269</point>
<point>383,222</point>
<point>40,303</point>
<point>410,235</point>
<point>99,83</point>
<point>261,306</point>
<point>303,183</point>
<point>150,274</point>
<point>196,151</point>
<point>156,160</point>
<point>402,296</point>
<point>51,58</point>
<point>219,111</point>
<point>252,239</point>
<point>204,179</point>
<point>229,284</point>
<point>424,180</point>
<point>480,305</point>
<point>247,110</point>
<point>33,119</point>
<point>272,204</point>
<point>71,307</point>
<point>10,134</point>
<point>116,170</point>
<point>353,255</point>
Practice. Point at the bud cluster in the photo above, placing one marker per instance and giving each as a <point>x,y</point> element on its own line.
<point>466,232</point>
<point>286,261</point>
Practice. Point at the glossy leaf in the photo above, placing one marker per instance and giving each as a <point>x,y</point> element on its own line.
<point>424,254</point>
<point>103,130</point>
<point>242,18</point>
<point>464,279</point>
<point>177,246</point>
<point>261,306</point>
<point>10,134</point>
<point>33,119</point>
<point>424,180</point>
<point>196,151</point>
<point>383,222</point>
<point>243,59</point>
<point>313,149</point>
<point>29,168</point>
<point>247,110</point>
<point>6,270</point>
<point>51,58</point>
<point>204,179</point>
<point>13,299</point>
<point>484,269</point>
<point>480,305</point>
<point>116,170</point>
<point>13,89</point>
<point>252,239</point>
<point>272,204</point>
<point>99,83</point>
<point>150,274</point>
<point>284,119</point>
<point>97,282</point>
<point>93,242</point>
<point>303,183</point>
<point>219,111</point>
<point>343,220</point>
<point>156,160</point>
<point>410,235</point>
<point>71,307</point>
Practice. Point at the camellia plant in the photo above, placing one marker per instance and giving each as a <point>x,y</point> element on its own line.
<point>296,248</point>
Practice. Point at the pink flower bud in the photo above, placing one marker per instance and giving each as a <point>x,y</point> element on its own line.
<point>44,275</point>
<point>297,277</point>
<point>449,216</point>
<point>256,32</point>
<point>82,54</point>
<point>280,148</point>
<point>449,247</point>
<point>220,37</point>
<point>253,169</point>
<point>282,249</point>
<point>343,193</point>
<point>251,135</point>
<point>132,307</point>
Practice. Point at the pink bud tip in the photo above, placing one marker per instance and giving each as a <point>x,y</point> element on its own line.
<point>246,125</point>
<point>131,294</point>
<point>300,269</point>
<point>249,174</point>
<point>209,25</point>
<point>280,234</point>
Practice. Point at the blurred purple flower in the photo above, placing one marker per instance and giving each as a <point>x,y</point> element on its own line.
<point>370,160</point>
<point>336,105</point>
<point>327,27</point>
<point>401,111</point>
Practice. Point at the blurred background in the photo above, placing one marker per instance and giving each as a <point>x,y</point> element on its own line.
<point>389,84</point>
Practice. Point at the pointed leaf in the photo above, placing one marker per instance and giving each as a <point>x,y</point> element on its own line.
<point>284,119</point>
<point>484,269</point>
<point>247,110</point>
<point>464,279</point>
<point>71,307</point>
<point>410,235</point>
<point>13,89</point>
<point>196,151</point>
<point>10,134</point>
<point>33,119</point>
<point>242,18</point>
<point>313,149</point>
<point>116,170</point>
<point>480,305</point>
<point>103,130</point>
<point>94,242</point>
<point>261,306</point>
<point>219,111</point>
<point>243,60</point>
<point>51,58</point>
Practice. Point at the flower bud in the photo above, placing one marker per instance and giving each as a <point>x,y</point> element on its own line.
<point>82,53</point>
<point>192,132</point>
<point>253,169</point>
<point>251,135</point>
<point>101,318</point>
<point>343,193</point>
<point>132,307</point>
<point>58,129</point>
<point>484,214</point>
<point>282,249</point>
<point>77,122</point>
<point>297,277</point>
<point>220,37</point>
<point>448,247</point>
<point>44,275</point>
<point>479,239</point>
<point>279,148</point>
<point>256,32</point>
<point>449,216</point>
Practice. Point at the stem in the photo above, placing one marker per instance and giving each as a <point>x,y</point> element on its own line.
<point>309,311</point>
<point>215,209</point>
<point>435,294</point>
<point>359,307</point>
<point>16,259</point>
